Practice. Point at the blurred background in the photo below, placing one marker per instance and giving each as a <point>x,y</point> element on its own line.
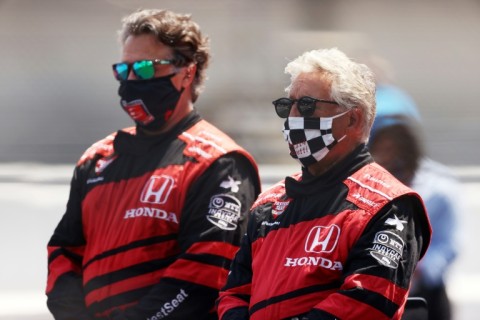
<point>58,96</point>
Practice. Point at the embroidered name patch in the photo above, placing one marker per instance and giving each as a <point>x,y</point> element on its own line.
<point>278,207</point>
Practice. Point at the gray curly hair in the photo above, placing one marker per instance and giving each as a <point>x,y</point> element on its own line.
<point>353,84</point>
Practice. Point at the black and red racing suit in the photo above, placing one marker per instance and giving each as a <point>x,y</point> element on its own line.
<point>151,225</point>
<point>340,246</point>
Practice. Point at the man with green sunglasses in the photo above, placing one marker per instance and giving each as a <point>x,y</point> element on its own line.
<point>156,211</point>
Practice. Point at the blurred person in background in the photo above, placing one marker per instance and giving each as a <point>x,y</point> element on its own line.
<point>396,143</point>
<point>156,211</point>
<point>341,238</point>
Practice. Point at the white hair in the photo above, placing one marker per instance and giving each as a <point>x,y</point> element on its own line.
<point>353,84</point>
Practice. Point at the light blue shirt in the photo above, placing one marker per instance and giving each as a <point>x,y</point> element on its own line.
<point>441,193</point>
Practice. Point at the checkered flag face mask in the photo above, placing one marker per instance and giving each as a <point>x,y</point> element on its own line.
<point>310,139</point>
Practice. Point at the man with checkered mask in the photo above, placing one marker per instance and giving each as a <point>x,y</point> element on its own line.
<point>341,238</point>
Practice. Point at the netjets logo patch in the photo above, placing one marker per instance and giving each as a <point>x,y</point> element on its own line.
<point>224,211</point>
<point>387,248</point>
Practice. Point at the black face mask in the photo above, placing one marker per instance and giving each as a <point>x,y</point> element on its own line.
<point>150,103</point>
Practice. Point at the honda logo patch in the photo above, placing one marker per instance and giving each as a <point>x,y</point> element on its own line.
<point>157,189</point>
<point>322,239</point>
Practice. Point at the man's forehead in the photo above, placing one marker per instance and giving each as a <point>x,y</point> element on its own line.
<point>145,46</point>
<point>313,82</point>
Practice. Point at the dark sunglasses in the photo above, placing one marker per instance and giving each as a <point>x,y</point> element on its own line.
<point>305,105</point>
<point>143,69</point>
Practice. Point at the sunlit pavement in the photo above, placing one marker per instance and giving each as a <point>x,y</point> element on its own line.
<point>33,199</point>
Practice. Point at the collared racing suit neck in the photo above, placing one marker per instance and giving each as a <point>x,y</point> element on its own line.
<point>137,143</point>
<point>310,184</point>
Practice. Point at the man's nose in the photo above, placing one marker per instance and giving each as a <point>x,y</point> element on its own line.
<point>131,75</point>
<point>294,111</point>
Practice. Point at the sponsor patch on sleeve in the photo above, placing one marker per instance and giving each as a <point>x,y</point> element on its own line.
<point>396,222</point>
<point>387,248</point>
<point>224,211</point>
<point>231,184</point>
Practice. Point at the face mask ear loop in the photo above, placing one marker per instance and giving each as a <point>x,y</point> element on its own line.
<point>344,136</point>
<point>337,116</point>
<point>341,114</point>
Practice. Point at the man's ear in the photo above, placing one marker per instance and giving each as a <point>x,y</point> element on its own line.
<point>356,120</point>
<point>189,75</point>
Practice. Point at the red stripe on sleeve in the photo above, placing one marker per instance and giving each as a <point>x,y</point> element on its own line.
<point>58,267</point>
<point>222,249</point>
<point>129,258</point>
<point>129,284</point>
<point>294,306</point>
<point>246,289</point>
<point>105,313</point>
<point>379,285</point>
<point>198,273</point>
<point>230,301</point>
<point>344,307</point>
